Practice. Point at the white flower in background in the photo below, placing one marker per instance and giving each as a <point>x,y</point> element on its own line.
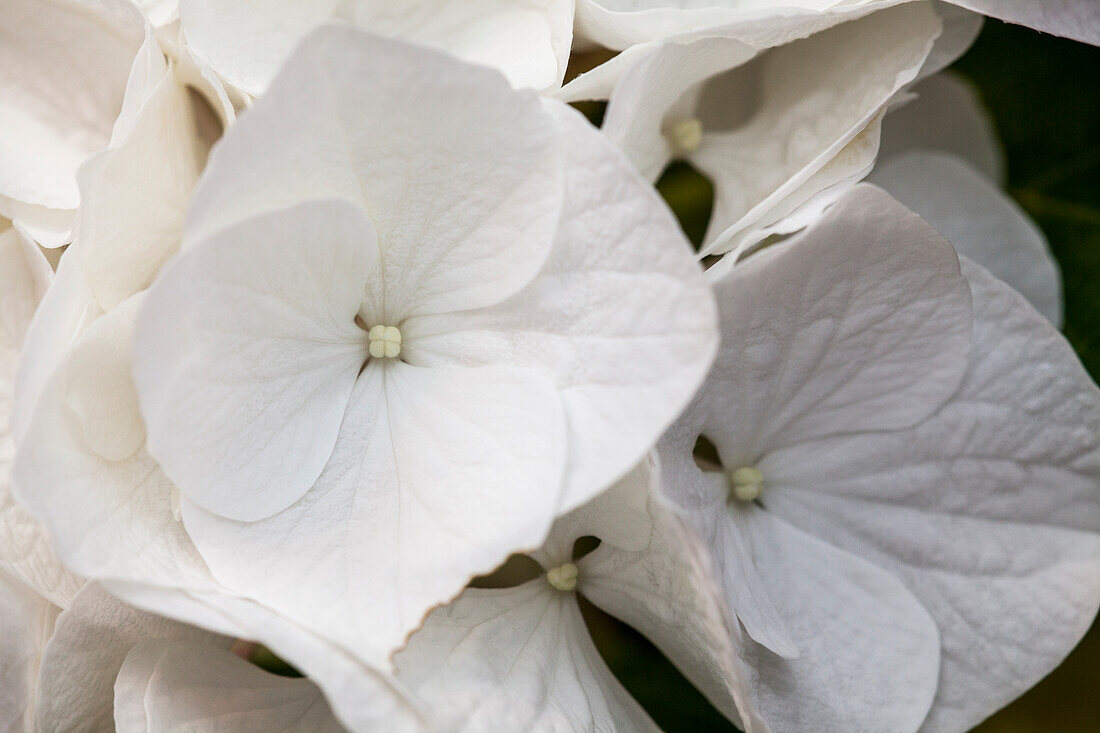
<point>543,322</point>
<point>906,517</point>
<point>24,547</point>
<point>521,658</point>
<point>168,686</point>
<point>780,134</point>
<point>60,666</point>
<point>246,42</point>
<point>65,66</point>
<point>619,24</point>
<point>101,665</point>
<point>945,114</point>
<point>941,159</point>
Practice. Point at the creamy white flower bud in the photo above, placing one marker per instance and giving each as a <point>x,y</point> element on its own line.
<point>684,135</point>
<point>563,577</point>
<point>746,483</point>
<point>385,342</point>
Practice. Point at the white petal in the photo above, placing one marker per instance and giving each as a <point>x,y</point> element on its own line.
<point>1070,18</point>
<point>960,30</point>
<point>160,12</point>
<point>868,651</point>
<point>26,620</point>
<point>99,389</point>
<point>815,97</point>
<point>246,353</point>
<point>619,24</point>
<point>641,104</point>
<point>245,43</point>
<point>862,322</point>
<point>660,582</point>
<point>133,196</point>
<point>515,659</point>
<point>108,519</point>
<point>947,116</point>
<point>437,476</point>
<point>619,516</point>
<point>980,221</point>
<point>82,659</point>
<point>616,318</point>
<point>65,312</point>
<point>63,72</point>
<point>1008,468</point>
<point>459,173</point>
<point>24,544</point>
<point>363,697</point>
<point>527,40</point>
<point>166,686</point>
<point>26,555</point>
<point>24,277</point>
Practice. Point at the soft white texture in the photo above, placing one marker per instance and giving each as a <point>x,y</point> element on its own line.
<point>246,42</point>
<point>979,220</point>
<point>521,658</point>
<point>24,545</point>
<point>172,686</point>
<point>779,127</point>
<point>451,212</point>
<point>621,23</point>
<point>64,70</point>
<point>904,416</point>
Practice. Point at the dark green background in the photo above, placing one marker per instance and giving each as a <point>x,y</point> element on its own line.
<point>1044,94</point>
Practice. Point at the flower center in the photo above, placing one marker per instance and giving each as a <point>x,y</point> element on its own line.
<point>684,135</point>
<point>385,342</point>
<point>563,577</point>
<point>746,483</point>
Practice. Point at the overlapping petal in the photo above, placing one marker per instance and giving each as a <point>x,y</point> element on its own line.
<point>988,510</point>
<point>929,495</point>
<point>166,686</point>
<point>979,220</point>
<point>245,43</point>
<point>437,475</point>
<point>775,130</point>
<point>622,23</point>
<point>82,658</point>
<point>264,353</point>
<point>64,69</point>
<point>521,657</point>
<point>615,318</point>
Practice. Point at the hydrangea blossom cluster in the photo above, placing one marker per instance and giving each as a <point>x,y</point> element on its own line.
<point>331,329</point>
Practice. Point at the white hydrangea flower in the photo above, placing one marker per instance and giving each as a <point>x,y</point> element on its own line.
<point>112,519</point>
<point>619,24</point>
<point>942,159</point>
<point>521,658</point>
<point>780,134</point>
<point>922,533</point>
<point>246,42</point>
<point>549,317</point>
